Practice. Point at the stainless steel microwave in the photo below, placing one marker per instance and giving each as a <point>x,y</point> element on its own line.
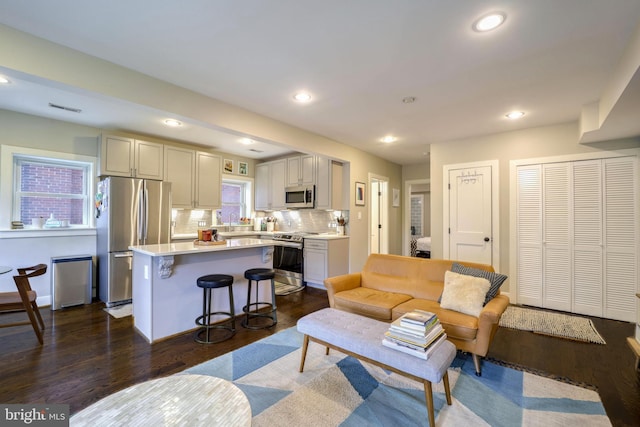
<point>303,196</point>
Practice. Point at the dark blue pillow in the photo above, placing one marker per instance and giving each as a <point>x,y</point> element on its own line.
<point>496,279</point>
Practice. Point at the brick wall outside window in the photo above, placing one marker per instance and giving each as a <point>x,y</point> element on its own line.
<point>60,182</point>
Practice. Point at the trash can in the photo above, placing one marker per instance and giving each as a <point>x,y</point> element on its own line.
<point>71,281</point>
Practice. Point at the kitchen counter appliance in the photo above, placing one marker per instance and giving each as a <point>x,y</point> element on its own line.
<point>129,212</point>
<point>303,196</point>
<point>287,259</point>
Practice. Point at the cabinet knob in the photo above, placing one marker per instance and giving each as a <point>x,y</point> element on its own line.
<point>486,239</point>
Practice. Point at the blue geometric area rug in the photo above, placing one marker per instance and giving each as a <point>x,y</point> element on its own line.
<point>338,390</point>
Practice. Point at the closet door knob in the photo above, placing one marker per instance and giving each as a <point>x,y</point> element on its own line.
<point>486,239</point>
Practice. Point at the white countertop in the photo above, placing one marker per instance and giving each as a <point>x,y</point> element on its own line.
<point>325,236</point>
<point>183,248</point>
<point>225,234</point>
<point>267,234</point>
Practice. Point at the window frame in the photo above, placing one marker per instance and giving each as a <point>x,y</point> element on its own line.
<point>10,156</point>
<point>247,184</point>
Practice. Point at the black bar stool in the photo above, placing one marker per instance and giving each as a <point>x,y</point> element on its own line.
<point>207,283</point>
<point>258,274</point>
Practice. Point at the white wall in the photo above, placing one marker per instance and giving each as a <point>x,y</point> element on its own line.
<point>42,59</point>
<point>529,143</point>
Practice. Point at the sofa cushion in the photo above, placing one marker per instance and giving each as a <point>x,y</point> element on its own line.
<point>457,325</point>
<point>463,293</point>
<point>496,279</point>
<point>369,302</point>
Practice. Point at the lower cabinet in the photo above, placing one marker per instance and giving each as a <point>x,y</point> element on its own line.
<point>325,258</point>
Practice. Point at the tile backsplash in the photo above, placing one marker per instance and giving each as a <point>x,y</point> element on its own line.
<point>186,221</point>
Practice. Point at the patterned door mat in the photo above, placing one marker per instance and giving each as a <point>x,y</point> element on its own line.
<point>550,323</point>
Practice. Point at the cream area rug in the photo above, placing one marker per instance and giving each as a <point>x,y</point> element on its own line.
<point>120,311</point>
<point>338,390</point>
<point>549,323</point>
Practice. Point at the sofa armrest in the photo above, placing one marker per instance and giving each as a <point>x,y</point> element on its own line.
<point>492,312</point>
<point>341,283</point>
<point>488,323</point>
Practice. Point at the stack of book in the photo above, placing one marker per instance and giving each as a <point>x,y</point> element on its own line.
<point>417,333</point>
<point>17,225</point>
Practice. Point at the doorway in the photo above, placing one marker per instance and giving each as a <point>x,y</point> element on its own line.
<point>415,188</point>
<point>378,215</point>
<point>470,217</point>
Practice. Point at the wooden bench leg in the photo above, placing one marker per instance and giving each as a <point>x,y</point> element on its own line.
<point>428,394</point>
<point>447,390</point>
<point>305,344</point>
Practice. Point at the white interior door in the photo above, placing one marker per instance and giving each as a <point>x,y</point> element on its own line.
<point>379,230</point>
<point>470,215</point>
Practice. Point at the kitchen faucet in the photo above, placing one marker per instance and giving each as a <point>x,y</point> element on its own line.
<point>231,215</point>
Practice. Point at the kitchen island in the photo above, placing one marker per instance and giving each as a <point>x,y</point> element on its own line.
<point>166,299</point>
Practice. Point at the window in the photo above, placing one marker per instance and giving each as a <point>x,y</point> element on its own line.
<point>38,183</point>
<point>236,195</point>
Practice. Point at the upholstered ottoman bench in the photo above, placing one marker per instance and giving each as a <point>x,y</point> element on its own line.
<point>361,337</point>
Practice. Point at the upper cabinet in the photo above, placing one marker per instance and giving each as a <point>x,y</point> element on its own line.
<point>329,184</point>
<point>195,176</point>
<point>121,156</point>
<point>301,170</point>
<point>273,177</point>
<point>208,188</point>
<point>270,185</point>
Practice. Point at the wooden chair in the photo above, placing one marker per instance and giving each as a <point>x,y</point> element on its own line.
<point>24,299</point>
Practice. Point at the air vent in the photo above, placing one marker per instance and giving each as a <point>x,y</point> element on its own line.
<point>256,151</point>
<point>62,107</point>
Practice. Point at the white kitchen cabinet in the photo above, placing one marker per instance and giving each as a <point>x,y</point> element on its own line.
<point>329,176</point>
<point>208,181</point>
<point>121,156</point>
<point>270,183</point>
<point>301,170</point>
<point>325,258</point>
<point>195,178</point>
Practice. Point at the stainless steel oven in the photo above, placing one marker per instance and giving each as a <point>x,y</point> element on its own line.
<point>287,259</point>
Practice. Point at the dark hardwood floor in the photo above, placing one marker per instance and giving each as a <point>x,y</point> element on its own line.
<point>88,355</point>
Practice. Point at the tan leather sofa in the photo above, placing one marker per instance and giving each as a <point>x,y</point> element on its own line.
<point>390,285</point>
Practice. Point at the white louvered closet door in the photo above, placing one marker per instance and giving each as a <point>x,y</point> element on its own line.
<point>587,238</point>
<point>557,271</point>
<point>577,236</point>
<point>620,233</point>
<point>529,235</point>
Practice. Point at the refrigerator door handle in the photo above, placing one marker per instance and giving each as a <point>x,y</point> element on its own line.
<point>140,216</point>
<point>146,213</point>
<point>123,254</point>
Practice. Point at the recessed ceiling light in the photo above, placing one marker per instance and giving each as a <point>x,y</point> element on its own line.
<point>302,96</point>
<point>172,123</point>
<point>514,115</point>
<point>246,141</point>
<point>389,139</point>
<point>4,80</point>
<point>489,22</point>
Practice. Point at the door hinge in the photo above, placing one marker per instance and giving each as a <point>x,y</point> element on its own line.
<point>449,230</point>
<point>449,186</point>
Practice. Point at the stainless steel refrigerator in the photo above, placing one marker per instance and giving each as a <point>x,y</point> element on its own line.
<point>129,211</point>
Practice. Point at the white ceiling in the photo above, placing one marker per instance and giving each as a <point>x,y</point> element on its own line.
<point>358,58</point>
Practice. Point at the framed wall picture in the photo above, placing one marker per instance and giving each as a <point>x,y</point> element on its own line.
<point>228,166</point>
<point>396,197</point>
<point>243,168</point>
<point>360,193</point>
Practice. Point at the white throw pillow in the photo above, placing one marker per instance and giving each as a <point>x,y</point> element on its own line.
<point>463,293</point>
